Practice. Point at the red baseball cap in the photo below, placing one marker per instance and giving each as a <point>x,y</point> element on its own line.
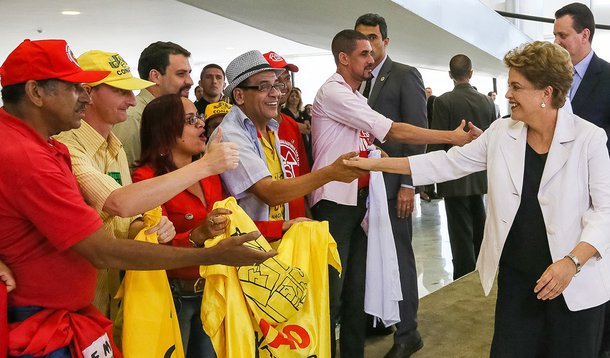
<point>45,59</point>
<point>277,61</point>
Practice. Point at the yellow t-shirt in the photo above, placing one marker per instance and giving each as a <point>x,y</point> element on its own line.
<point>275,168</point>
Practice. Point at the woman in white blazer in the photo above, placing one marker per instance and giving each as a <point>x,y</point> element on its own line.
<point>548,227</point>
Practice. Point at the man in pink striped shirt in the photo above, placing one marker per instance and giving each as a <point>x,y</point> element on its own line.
<point>342,121</point>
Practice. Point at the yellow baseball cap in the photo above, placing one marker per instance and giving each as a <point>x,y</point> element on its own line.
<point>120,74</point>
<point>215,109</point>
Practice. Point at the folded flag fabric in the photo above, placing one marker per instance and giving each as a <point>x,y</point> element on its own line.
<point>278,308</point>
<point>150,323</point>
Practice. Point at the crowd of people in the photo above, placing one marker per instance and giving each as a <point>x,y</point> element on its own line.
<point>101,156</point>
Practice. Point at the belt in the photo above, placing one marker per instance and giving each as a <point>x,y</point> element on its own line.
<point>187,287</point>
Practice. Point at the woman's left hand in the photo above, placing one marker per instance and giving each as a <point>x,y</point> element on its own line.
<point>555,279</point>
<point>216,222</point>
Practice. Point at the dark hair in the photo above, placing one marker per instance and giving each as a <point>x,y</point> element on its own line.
<point>582,17</point>
<point>162,123</point>
<point>14,93</point>
<point>490,92</point>
<point>156,57</point>
<point>374,20</point>
<point>212,65</point>
<point>459,67</point>
<point>345,41</point>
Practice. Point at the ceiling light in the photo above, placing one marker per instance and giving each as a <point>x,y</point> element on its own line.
<point>70,12</point>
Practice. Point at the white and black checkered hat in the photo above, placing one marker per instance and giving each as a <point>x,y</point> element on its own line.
<point>244,66</point>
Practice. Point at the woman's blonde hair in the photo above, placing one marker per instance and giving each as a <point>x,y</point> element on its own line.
<point>544,64</point>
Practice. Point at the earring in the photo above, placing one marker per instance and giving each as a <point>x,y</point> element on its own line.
<point>542,104</point>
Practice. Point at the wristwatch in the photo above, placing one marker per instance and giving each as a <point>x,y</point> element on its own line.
<point>575,261</point>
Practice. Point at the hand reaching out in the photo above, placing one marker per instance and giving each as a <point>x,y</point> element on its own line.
<point>234,251</point>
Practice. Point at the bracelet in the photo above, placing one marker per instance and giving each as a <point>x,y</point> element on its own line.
<point>191,240</point>
<point>575,261</point>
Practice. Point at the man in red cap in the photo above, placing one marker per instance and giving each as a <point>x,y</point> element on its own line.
<point>292,148</point>
<point>49,237</point>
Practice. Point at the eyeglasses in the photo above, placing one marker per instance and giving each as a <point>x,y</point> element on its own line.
<point>266,87</point>
<point>192,119</point>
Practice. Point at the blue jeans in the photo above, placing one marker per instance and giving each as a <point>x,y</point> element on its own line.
<point>196,343</point>
<point>20,314</point>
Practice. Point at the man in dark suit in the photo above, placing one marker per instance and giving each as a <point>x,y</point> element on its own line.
<point>574,29</point>
<point>397,91</point>
<point>463,197</point>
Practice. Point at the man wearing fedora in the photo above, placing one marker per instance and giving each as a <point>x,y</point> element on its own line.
<point>49,237</point>
<point>259,182</point>
<point>292,147</point>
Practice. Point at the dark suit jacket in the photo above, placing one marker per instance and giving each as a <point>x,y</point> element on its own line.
<point>398,93</point>
<point>592,99</point>
<point>464,102</point>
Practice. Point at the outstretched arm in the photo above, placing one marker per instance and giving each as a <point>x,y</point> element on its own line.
<point>388,165</point>
<point>406,133</point>
<point>105,252</point>
<point>276,192</point>
<point>139,197</point>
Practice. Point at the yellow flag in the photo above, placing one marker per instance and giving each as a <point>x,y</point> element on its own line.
<point>276,309</point>
<point>150,323</point>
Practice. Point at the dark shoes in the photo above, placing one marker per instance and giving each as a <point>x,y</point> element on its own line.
<point>378,331</point>
<point>400,350</point>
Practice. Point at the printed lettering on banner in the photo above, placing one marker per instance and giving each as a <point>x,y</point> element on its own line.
<point>100,348</point>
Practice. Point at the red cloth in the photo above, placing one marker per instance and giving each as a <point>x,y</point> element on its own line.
<point>294,158</point>
<point>49,330</point>
<point>43,215</point>
<point>365,141</point>
<point>3,321</point>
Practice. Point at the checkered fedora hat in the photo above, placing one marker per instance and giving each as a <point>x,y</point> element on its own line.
<point>244,66</point>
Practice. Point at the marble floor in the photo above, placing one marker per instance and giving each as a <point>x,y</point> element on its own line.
<point>431,246</point>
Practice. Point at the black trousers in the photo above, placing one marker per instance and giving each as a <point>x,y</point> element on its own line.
<point>465,222</point>
<point>406,329</point>
<point>606,336</point>
<point>528,327</point>
<point>347,290</point>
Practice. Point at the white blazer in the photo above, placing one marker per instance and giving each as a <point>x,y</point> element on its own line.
<point>574,195</point>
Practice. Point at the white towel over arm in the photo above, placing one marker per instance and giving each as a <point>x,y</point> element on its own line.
<point>382,292</point>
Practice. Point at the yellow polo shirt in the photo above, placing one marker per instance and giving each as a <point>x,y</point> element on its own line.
<point>100,167</point>
<point>275,168</point>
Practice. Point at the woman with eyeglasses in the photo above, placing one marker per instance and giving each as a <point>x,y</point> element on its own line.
<point>173,136</point>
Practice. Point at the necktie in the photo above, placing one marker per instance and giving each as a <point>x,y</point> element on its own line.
<point>367,87</point>
<point>573,87</point>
